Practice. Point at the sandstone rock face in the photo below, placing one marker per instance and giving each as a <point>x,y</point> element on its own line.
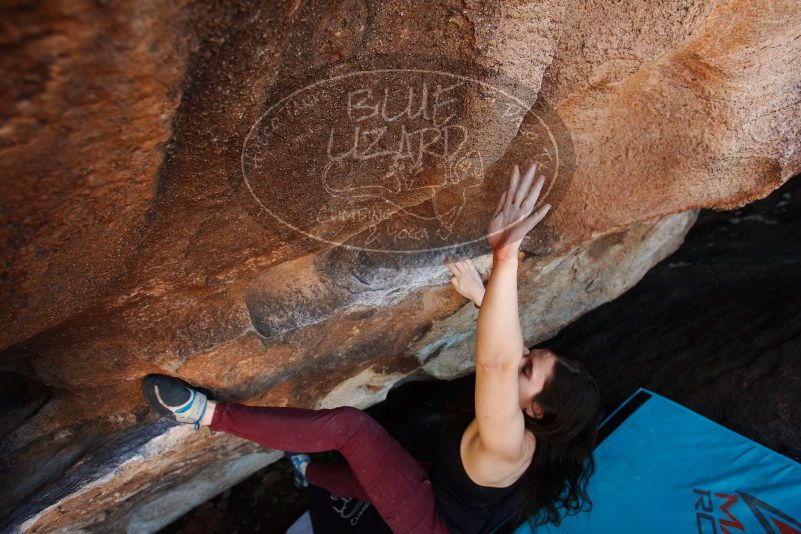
<point>181,195</point>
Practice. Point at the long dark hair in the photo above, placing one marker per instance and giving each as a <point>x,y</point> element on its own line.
<point>565,438</point>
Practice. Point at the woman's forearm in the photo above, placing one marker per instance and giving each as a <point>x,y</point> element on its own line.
<point>499,340</point>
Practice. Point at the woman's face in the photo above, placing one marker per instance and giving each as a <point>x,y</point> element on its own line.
<point>535,368</point>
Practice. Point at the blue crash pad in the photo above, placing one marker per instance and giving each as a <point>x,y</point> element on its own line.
<point>662,468</point>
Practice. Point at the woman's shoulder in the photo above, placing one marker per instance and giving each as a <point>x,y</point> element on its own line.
<point>487,469</point>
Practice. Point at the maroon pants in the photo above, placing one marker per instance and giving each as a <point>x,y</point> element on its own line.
<point>381,470</point>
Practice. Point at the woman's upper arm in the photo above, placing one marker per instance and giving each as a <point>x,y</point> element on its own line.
<point>501,426</point>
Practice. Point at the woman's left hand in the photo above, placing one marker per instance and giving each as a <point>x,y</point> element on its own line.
<point>513,219</point>
<point>466,279</point>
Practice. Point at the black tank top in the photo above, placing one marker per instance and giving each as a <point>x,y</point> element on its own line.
<point>467,507</point>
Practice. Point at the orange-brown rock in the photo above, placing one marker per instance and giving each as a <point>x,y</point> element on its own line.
<point>171,203</point>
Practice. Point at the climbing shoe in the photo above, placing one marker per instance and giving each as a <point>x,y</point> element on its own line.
<point>172,397</point>
<point>298,459</point>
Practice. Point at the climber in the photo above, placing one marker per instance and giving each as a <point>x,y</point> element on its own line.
<point>528,442</point>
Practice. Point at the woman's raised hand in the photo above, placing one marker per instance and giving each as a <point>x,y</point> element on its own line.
<point>513,219</point>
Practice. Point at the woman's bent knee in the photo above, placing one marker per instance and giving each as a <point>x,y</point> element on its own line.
<point>350,420</point>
